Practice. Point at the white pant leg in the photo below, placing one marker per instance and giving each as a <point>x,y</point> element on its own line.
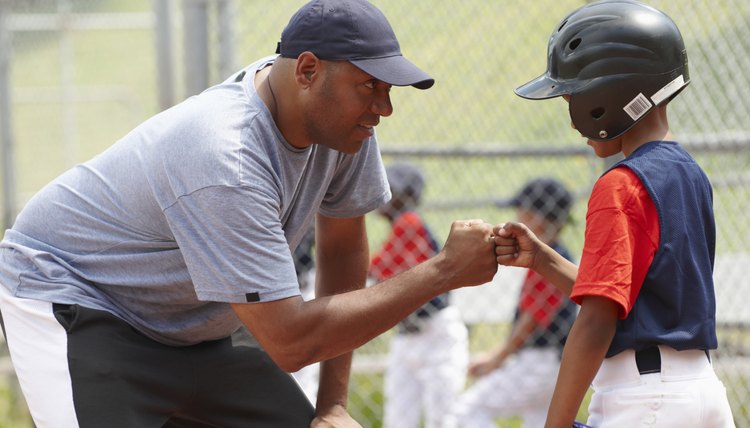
<point>445,363</point>
<point>686,393</point>
<point>522,387</point>
<point>308,378</point>
<point>426,372</point>
<point>402,389</point>
<point>39,352</point>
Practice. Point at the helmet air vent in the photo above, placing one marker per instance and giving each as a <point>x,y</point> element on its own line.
<point>597,113</point>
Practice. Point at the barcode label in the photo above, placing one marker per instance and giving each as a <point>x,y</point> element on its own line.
<point>638,107</point>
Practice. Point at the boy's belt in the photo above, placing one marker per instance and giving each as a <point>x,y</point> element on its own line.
<point>649,360</point>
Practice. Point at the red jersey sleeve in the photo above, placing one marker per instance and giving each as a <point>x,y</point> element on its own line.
<point>621,238</point>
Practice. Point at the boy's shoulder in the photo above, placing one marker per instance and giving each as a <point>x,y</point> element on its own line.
<point>618,188</point>
<point>617,179</point>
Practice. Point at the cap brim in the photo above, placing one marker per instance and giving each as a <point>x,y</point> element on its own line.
<point>543,87</point>
<point>508,202</point>
<point>395,70</point>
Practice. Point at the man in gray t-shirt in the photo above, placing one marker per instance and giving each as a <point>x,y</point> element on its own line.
<point>130,282</point>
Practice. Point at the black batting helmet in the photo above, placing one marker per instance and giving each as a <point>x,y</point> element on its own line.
<point>617,60</point>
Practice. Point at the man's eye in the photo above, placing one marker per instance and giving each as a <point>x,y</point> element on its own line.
<point>370,84</point>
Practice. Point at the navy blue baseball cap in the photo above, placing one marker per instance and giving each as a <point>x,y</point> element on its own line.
<point>405,179</point>
<point>545,196</point>
<point>354,31</point>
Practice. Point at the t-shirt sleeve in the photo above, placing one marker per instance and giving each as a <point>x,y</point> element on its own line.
<point>621,238</point>
<point>359,184</point>
<point>233,245</point>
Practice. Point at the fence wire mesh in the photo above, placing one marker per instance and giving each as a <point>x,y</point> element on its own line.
<point>82,73</point>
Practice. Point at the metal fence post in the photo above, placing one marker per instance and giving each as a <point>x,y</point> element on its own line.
<point>164,52</point>
<point>195,39</point>
<point>226,13</point>
<point>6,124</point>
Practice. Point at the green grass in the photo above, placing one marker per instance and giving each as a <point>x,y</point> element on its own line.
<point>13,411</point>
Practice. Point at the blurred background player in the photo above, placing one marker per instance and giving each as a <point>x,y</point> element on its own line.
<point>517,379</point>
<point>428,356</point>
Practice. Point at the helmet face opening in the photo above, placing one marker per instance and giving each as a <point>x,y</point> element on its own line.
<point>617,59</point>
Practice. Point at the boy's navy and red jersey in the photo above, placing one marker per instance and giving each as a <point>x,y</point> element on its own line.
<point>675,304</point>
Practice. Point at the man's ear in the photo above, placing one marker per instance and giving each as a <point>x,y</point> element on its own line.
<point>307,67</point>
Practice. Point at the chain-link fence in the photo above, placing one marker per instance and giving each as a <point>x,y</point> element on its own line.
<point>81,73</point>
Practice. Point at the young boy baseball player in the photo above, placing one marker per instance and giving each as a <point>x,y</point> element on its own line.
<point>644,284</point>
<point>429,354</point>
<point>518,377</point>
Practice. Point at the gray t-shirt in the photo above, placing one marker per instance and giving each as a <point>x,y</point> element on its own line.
<point>199,206</point>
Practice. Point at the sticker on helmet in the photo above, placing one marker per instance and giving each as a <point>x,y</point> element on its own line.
<point>638,107</point>
<point>667,91</point>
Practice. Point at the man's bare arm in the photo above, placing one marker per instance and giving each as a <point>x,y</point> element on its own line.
<point>296,333</point>
<point>341,259</point>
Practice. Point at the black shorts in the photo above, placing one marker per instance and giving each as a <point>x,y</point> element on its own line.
<point>120,378</point>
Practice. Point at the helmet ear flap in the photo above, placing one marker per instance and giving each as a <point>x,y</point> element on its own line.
<point>607,109</point>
